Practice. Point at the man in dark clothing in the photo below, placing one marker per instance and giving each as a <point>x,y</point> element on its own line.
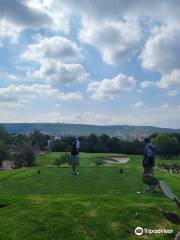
<point>149,160</point>
<point>75,155</point>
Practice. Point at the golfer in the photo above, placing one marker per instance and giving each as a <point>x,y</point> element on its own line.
<point>75,155</point>
<point>148,161</point>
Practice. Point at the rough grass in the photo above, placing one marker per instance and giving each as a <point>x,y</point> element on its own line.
<point>98,204</point>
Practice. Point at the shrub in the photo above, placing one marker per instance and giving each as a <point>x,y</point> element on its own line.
<point>64,158</point>
<point>16,160</point>
<point>25,157</point>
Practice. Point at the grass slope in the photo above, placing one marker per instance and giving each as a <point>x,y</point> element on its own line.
<point>98,204</point>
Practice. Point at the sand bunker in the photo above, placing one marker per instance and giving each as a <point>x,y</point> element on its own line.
<point>119,160</point>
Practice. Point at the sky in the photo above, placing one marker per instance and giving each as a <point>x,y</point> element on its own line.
<point>94,62</point>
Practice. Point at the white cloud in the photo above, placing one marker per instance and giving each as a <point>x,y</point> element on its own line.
<point>116,41</point>
<point>9,30</point>
<point>56,12</point>
<point>146,84</point>
<point>21,94</point>
<point>70,96</point>
<point>22,14</point>
<point>170,79</point>
<point>57,47</point>
<point>161,51</point>
<point>108,88</point>
<point>138,105</point>
<point>80,117</point>
<point>104,9</point>
<point>17,16</point>
<point>168,117</point>
<point>58,58</point>
<point>8,76</point>
<point>173,93</point>
<point>11,105</point>
<point>56,72</point>
<point>164,106</point>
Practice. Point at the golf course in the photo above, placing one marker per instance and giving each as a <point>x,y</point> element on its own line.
<point>101,203</point>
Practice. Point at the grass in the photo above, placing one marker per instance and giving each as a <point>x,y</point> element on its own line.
<point>98,204</point>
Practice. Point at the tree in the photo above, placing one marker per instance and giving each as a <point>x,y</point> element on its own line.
<point>172,146</point>
<point>4,144</point>
<point>59,146</point>
<point>38,139</point>
<point>23,155</point>
<point>4,152</point>
<point>166,145</point>
<point>160,142</point>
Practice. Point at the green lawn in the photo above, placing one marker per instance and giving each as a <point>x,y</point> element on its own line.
<point>98,204</point>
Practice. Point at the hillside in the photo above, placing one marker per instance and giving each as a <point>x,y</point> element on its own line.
<point>121,131</point>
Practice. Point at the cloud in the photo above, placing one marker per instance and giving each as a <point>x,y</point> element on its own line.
<point>161,53</point>
<point>170,79</point>
<point>70,96</point>
<point>167,117</point>
<point>146,84</point>
<point>17,16</point>
<point>57,47</point>
<point>21,94</point>
<point>116,41</point>
<point>108,88</point>
<point>58,58</point>
<point>138,105</point>
<point>9,30</point>
<point>81,117</point>
<point>56,72</point>
<point>164,106</point>
<point>11,105</point>
<point>104,9</point>
<point>8,76</point>
<point>173,93</point>
<point>20,13</point>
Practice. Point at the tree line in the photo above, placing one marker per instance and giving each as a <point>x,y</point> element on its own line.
<point>21,149</point>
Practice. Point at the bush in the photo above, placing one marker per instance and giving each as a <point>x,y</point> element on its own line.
<point>23,158</point>
<point>16,160</point>
<point>65,158</point>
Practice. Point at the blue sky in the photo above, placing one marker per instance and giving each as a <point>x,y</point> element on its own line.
<point>95,62</point>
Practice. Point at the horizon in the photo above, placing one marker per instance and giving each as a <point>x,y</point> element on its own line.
<point>86,124</point>
<point>100,63</point>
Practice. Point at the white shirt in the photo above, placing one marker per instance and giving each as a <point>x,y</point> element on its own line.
<point>77,144</point>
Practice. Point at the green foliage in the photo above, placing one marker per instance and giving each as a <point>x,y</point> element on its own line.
<point>4,152</point>
<point>166,145</point>
<point>59,146</point>
<point>64,158</point>
<point>101,144</point>
<point>38,139</point>
<point>4,136</point>
<point>25,157</point>
<point>4,145</point>
<point>17,160</point>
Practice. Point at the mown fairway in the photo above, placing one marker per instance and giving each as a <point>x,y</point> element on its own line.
<point>98,204</point>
